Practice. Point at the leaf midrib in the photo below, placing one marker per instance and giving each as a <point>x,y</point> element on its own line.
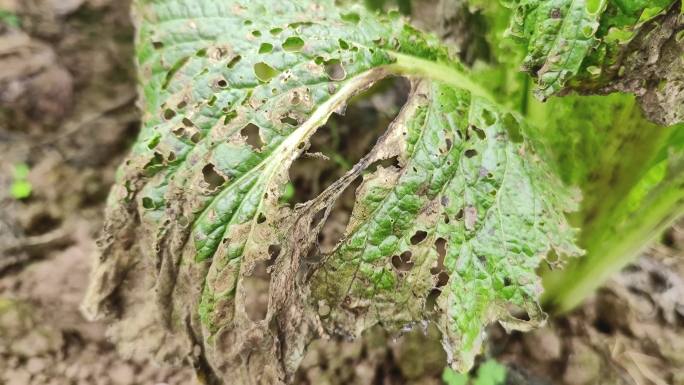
<point>317,118</point>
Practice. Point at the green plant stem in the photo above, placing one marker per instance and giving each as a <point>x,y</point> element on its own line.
<point>411,65</point>
<point>620,245</point>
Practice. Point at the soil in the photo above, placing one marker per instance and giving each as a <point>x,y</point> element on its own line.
<point>67,110</point>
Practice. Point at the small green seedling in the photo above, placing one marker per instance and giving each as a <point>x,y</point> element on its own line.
<point>10,19</point>
<point>489,373</point>
<point>21,188</point>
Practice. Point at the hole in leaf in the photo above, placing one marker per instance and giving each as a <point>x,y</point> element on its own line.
<point>212,178</point>
<point>448,144</point>
<point>480,133</point>
<point>287,119</point>
<point>276,31</point>
<point>440,247</point>
<point>334,70</point>
<point>336,223</point>
<point>196,137</point>
<point>384,163</point>
<point>256,33</point>
<point>251,134</point>
<point>442,279</point>
<point>222,83</point>
<point>489,117</point>
<point>313,256</point>
<point>418,237</point>
<point>343,44</point>
<point>470,153</point>
<point>346,139</point>
<point>261,218</point>
<point>293,44</point>
<point>154,142</point>
<point>169,114</point>
<point>513,128</point>
<point>157,45</point>
<point>351,17</point>
<point>403,262</point>
<point>257,285</point>
<point>187,122</point>
<point>431,301</point>
<point>265,48</point>
<point>154,164</point>
<point>273,252</point>
<point>234,61</point>
<point>148,203</point>
<point>518,312</point>
<point>174,69</point>
<point>299,24</point>
<point>264,72</point>
<point>230,115</point>
<point>318,217</point>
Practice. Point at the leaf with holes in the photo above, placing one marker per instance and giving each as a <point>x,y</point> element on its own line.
<point>202,259</point>
<point>602,46</point>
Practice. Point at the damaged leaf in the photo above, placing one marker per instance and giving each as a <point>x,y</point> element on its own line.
<point>489,212</point>
<point>602,46</point>
<point>203,261</point>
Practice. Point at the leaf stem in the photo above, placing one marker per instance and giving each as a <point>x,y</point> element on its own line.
<point>566,289</point>
<point>412,65</point>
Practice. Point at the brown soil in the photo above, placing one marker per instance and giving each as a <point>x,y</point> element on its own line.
<point>67,95</point>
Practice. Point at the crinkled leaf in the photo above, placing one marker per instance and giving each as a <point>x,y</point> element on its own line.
<point>464,219</point>
<point>202,260</point>
<point>601,46</point>
<point>628,168</point>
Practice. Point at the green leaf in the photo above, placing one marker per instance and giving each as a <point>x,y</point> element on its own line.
<point>231,93</point>
<point>559,35</point>
<point>21,188</point>
<point>9,18</point>
<point>491,373</point>
<point>466,212</point>
<point>450,377</point>
<point>626,166</point>
<point>600,46</point>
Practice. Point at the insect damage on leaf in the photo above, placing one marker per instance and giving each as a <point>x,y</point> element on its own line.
<point>602,46</point>
<point>202,260</point>
<point>455,233</point>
